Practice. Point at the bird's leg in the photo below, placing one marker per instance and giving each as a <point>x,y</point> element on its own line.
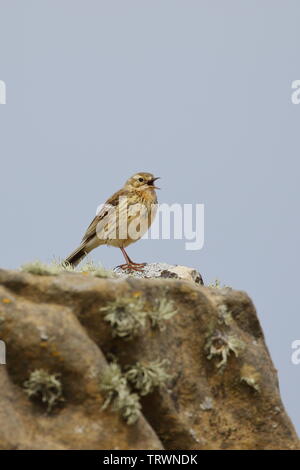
<point>129,263</point>
<point>135,264</point>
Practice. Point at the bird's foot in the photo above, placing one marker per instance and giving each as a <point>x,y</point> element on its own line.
<point>137,264</point>
<point>132,266</point>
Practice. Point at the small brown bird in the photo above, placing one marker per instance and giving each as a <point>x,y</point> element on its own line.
<point>124,219</point>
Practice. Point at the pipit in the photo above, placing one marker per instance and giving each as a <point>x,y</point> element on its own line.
<point>123,219</point>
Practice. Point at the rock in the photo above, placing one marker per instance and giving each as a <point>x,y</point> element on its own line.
<point>212,383</point>
<point>163,270</point>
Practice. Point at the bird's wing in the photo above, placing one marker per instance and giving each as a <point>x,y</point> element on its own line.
<point>104,213</point>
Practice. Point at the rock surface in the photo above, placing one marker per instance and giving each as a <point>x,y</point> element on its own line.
<point>222,391</point>
<point>163,270</point>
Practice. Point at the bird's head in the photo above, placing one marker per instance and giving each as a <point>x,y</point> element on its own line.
<point>142,181</point>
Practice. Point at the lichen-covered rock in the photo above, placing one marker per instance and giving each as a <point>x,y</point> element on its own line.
<point>163,270</point>
<point>189,368</point>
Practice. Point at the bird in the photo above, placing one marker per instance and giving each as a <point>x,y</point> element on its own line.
<point>123,219</point>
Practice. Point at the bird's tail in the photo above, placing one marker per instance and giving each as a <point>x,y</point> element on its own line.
<point>77,255</point>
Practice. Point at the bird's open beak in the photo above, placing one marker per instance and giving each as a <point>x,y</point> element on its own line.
<point>151,182</point>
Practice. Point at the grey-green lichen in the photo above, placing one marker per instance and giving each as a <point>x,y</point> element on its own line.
<point>162,311</point>
<point>58,267</point>
<point>40,269</point>
<point>144,377</point>
<point>126,316</point>
<point>114,385</point>
<point>44,386</point>
<point>224,315</point>
<point>96,270</point>
<point>216,284</point>
<point>222,344</point>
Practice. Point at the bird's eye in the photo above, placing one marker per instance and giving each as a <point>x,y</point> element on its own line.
<point>141,179</point>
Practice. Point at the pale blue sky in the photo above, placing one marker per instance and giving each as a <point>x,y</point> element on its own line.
<point>197,92</point>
